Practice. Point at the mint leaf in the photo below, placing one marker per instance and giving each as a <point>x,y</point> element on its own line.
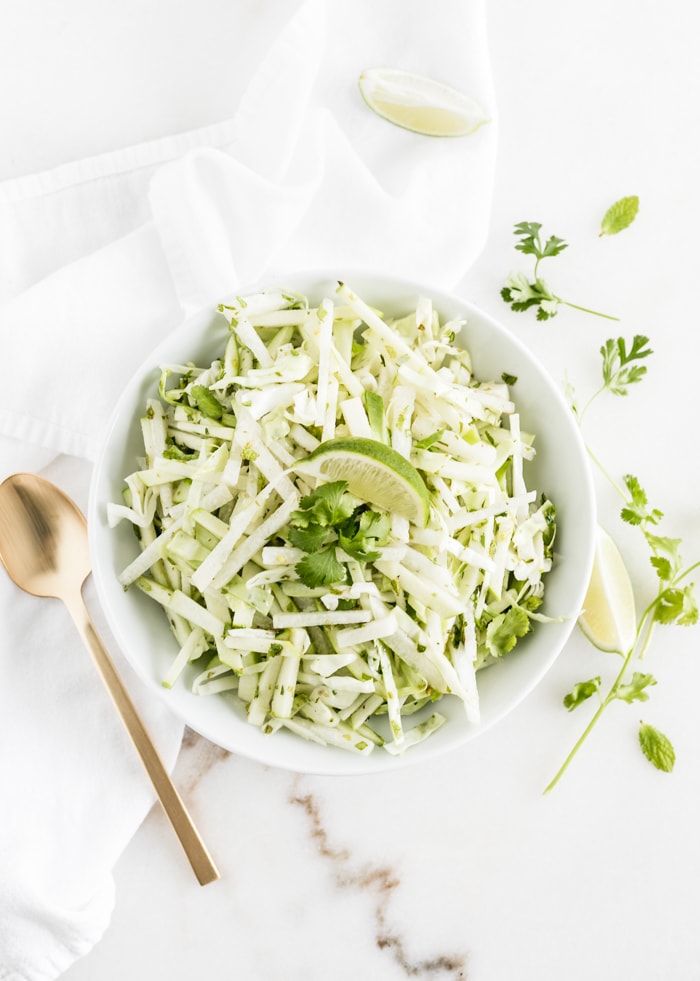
<point>635,690</point>
<point>619,215</point>
<point>657,747</point>
<point>580,692</point>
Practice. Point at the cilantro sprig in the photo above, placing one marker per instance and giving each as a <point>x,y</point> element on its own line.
<point>620,369</point>
<point>673,602</point>
<point>523,293</point>
<point>331,518</point>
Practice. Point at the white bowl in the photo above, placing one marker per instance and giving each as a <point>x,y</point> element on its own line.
<point>560,470</point>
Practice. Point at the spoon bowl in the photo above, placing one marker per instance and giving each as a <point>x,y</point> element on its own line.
<point>43,537</point>
<point>44,548</point>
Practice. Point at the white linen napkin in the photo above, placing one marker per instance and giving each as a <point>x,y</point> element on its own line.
<point>303,176</point>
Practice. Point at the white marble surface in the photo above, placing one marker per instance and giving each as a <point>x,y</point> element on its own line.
<point>461,869</point>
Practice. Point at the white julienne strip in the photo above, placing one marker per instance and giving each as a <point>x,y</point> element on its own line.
<point>248,336</point>
<point>464,659</point>
<point>254,542</point>
<point>331,409</point>
<point>142,516</point>
<point>261,401</point>
<point>249,435</point>
<point>400,413</point>
<point>356,418</point>
<point>393,704</point>
<point>194,645</point>
<point>345,374</point>
<point>364,635</point>
<point>319,618</point>
<point>518,488</point>
<point>214,562</point>
<point>250,639</point>
<point>324,315</point>
<point>416,734</point>
<point>149,556</point>
<point>428,593</point>
<point>303,438</point>
<point>384,331</point>
<point>178,602</point>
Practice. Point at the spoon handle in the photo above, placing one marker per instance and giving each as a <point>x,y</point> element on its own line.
<point>194,847</point>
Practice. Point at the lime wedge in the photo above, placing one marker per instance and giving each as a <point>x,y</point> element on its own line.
<point>609,617</point>
<point>375,473</point>
<point>420,104</point>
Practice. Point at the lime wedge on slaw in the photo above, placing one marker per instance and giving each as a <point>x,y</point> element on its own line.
<point>375,472</point>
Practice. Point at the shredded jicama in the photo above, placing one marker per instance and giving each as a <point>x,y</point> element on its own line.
<point>347,663</point>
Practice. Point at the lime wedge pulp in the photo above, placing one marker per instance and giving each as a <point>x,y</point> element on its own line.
<point>375,473</point>
<point>609,617</point>
<point>420,104</point>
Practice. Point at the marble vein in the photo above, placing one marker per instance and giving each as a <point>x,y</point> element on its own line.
<point>380,881</point>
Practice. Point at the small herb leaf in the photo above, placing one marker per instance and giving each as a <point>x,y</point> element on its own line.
<point>581,692</point>
<point>656,747</point>
<point>635,690</point>
<point>320,568</point>
<point>619,215</point>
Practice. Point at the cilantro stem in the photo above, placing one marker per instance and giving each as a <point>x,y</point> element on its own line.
<point>596,313</point>
<point>643,636</point>
<point>611,480</point>
<point>612,691</point>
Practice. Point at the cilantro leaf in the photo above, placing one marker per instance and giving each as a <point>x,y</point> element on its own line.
<point>310,539</point>
<point>657,747</point>
<point>580,692</point>
<point>329,504</point>
<point>666,557</point>
<point>674,605</point>
<point>635,690</point>
<point>361,539</point>
<point>619,215</point>
<point>531,244</point>
<point>206,402</point>
<point>636,511</point>
<point>504,631</point>
<point>522,294</point>
<point>320,568</point>
<point>619,368</point>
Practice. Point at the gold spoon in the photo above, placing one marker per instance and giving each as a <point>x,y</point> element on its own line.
<point>44,547</point>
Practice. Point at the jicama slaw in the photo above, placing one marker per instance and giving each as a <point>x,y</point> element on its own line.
<point>319,613</point>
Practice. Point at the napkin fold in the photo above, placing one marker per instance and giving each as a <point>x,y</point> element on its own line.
<point>303,176</point>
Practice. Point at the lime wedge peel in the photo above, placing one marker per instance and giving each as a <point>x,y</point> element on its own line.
<point>375,472</point>
<point>420,104</point>
<point>609,618</point>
